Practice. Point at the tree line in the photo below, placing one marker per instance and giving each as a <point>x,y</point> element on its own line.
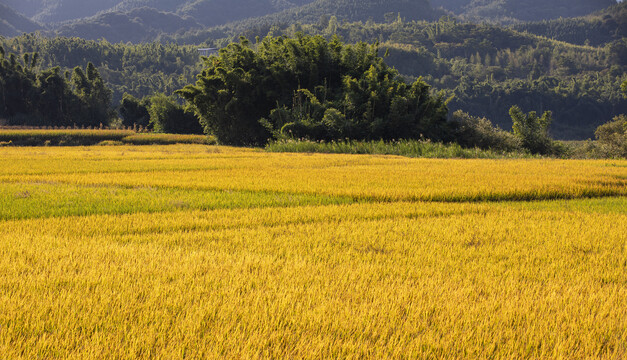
<point>30,95</point>
<point>304,87</point>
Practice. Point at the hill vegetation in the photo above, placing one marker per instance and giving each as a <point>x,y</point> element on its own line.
<point>14,24</point>
<point>489,68</point>
<point>34,96</point>
<point>507,11</point>
<point>206,12</point>
<point>135,26</point>
<point>596,29</point>
<point>483,70</point>
<point>310,88</point>
<point>348,10</point>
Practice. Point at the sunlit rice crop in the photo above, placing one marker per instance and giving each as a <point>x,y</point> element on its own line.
<point>212,252</point>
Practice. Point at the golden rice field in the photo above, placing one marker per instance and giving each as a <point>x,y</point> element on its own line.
<point>201,252</point>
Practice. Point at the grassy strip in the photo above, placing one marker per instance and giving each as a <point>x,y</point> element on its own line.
<point>30,200</point>
<point>408,148</point>
<point>168,139</point>
<point>68,137</point>
<point>81,137</point>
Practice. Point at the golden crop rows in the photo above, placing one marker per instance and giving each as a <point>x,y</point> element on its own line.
<point>264,261</point>
<point>361,177</point>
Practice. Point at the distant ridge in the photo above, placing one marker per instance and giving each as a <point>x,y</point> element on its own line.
<point>135,26</point>
<point>521,10</point>
<point>346,10</point>
<point>596,29</point>
<point>130,20</point>
<point>13,23</point>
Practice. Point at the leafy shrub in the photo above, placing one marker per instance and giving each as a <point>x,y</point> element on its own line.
<point>408,148</point>
<point>167,116</point>
<point>533,131</point>
<point>613,137</point>
<point>134,112</point>
<point>479,132</point>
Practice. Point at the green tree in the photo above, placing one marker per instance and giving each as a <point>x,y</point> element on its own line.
<point>134,112</point>
<point>310,87</point>
<point>533,131</point>
<point>613,136</point>
<point>472,131</point>
<point>94,97</point>
<point>167,116</point>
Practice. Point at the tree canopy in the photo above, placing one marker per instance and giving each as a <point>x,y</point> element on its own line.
<point>32,96</point>
<point>312,88</point>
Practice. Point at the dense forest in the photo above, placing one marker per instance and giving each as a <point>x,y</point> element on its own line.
<point>483,69</point>
<point>58,13</point>
<point>308,87</point>
<point>512,11</point>
<point>50,97</point>
<point>596,29</point>
<point>13,23</point>
<point>140,70</point>
<point>146,20</point>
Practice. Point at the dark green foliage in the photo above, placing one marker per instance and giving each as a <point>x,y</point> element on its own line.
<point>618,52</point>
<point>217,12</point>
<point>613,136</point>
<point>596,29</point>
<point>472,131</point>
<point>533,131</point>
<point>142,19</point>
<point>525,10</point>
<point>77,137</point>
<point>139,20</point>
<point>490,68</point>
<point>138,25</point>
<point>66,137</point>
<point>408,148</point>
<point>352,10</point>
<point>29,96</point>
<point>314,88</point>
<point>140,70</point>
<point>134,112</point>
<point>167,116</point>
<point>486,68</point>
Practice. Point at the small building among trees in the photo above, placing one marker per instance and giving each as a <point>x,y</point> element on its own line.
<point>207,51</point>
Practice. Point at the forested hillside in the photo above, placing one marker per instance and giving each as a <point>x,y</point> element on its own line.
<point>483,69</point>
<point>520,10</point>
<point>487,68</point>
<point>352,10</point>
<point>138,25</point>
<point>121,20</point>
<point>53,11</point>
<point>596,29</point>
<point>84,13</point>
<point>51,97</point>
<point>140,70</point>
<point>14,24</point>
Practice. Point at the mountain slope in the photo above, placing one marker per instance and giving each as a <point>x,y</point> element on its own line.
<point>343,10</point>
<point>207,12</point>
<point>521,10</point>
<point>217,12</point>
<point>28,8</point>
<point>139,25</point>
<point>596,29</point>
<point>12,23</point>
